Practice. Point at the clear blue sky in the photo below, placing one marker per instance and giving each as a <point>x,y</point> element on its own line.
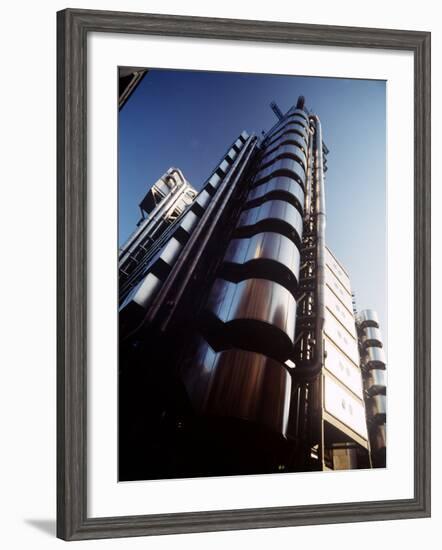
<point>187,119</point>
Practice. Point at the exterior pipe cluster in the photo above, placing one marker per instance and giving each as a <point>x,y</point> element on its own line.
<point>312,370</point>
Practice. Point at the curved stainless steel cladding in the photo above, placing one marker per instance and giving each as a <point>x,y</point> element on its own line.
<point>257,314</point>
<point>371,336</point>
<point>290,126</point>
<point>189,222</point>
<point>368,318</point>
<point>202,199</point>
<point>376,381</point>
<point>377,406</point>
<point>144,292</point>
<point>374,358</point>
<point>286,137</point>
<point>239,384</point>
<point>282,167</point>
<point>294,119</point>
<point>266,255</point>
<point>214,180</point>
<point>274,215</point>
<point>291,134</point>
<point>285,150</point>
<point>277,188</point>
<point>299,112</point>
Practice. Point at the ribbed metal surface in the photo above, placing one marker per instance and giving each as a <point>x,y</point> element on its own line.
<point>289,127</point>
<point>256,314</point>
<point>273,215</point>
<point>371,336</point>
<point>288,137</point>
<point>368,318</point>
<point>299,112</point>
<point>280,186</point>
<point>282,167</point>
<point>374,358</point>
<point>285,150</point>
<point>376,381</point>
<point>239,384</point>
<point>294,118</point>
<point>268,255</point>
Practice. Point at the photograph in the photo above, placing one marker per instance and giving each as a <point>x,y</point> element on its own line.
<point>252,274</point>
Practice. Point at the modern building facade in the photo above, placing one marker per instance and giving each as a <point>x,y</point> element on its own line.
<point>240,347</point>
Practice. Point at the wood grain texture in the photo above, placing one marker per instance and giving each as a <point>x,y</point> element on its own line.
<point>72,29</point>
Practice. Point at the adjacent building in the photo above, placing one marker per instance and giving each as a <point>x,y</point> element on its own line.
<point>240,347</point>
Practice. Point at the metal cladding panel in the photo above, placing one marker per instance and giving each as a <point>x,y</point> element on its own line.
<point>371,336</point>
<point>290,126</point>
<point>189,221</point>
<point>238,143</point>
<point>257,299</point>
<point>345,407</point>
<point>284,166</point>
<point>224,166</point>
<point>273,210</point>
<point>338,289</point>
<point>203,198</point>
<point>368,318</point>
<point>144,292</point>
<point>344,369</point>
<point>279,184</point>
<point>232,154</point>
<point>265,246</point>
<point>340,337</point>
<point>288,132</point>
<point>377,407</point>
<point>171,251</point>
<point>297,118</point>
<point>374,357</point>
<point>337,270</point>
<point>214,180</point>
<point>257,314</point>
<point>376,381</point>
<point>337,308</point>
<point>300,112</point>
<point>288,137</point>
<point>285,149</point>
<point>239,384</point>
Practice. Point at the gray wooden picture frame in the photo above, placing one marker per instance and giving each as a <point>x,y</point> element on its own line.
<point>73,27</point>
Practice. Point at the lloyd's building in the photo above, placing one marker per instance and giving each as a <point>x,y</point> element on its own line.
<point>241,349</point>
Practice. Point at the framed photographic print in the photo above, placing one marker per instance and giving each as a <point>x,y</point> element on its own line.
<point>244,243</point>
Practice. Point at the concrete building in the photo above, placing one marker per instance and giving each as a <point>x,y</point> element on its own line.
<point>240,351</point>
